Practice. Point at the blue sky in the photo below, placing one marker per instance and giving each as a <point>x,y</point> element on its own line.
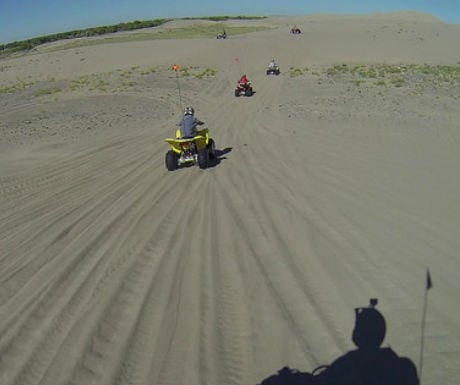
<point>24,19</point>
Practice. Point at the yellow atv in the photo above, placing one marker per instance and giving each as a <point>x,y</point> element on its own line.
<point>190,151</point>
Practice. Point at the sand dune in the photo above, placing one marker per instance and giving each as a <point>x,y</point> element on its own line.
<point>336,182</point>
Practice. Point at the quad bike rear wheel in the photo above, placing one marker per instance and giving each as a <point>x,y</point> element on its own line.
<point>171,160</point>
<point>203,158</point>
<point>211,149</point>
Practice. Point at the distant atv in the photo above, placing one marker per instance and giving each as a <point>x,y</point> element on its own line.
<point>295,31</point>
<point>275,70</point>
<point>190,151</point>
<point>244,89</point>
<point>222,35</point>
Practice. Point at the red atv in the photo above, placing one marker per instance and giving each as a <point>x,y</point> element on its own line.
<point>244,89</point>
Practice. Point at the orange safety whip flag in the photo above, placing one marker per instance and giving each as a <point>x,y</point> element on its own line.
<point>175,67</point>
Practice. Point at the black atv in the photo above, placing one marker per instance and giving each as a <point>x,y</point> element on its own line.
<point>275,70</point>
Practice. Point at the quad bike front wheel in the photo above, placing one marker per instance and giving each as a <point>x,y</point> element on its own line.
<point>171,160</point>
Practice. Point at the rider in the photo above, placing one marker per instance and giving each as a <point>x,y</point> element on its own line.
<point>188,123</point>
<point>244,81</point>
<point>272,64</point>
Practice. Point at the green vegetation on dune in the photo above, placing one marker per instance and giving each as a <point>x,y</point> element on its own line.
<point>397,75</point>
<point>382,70</point>
<point>192,31</point>
<point>19,85</point>
<point>125,79</point>
<point>96,31</point>
<point>189,32</point>
<point>225,18</point>
<point>196,72</point>
<point>202,30</point>
<point>293,72</point>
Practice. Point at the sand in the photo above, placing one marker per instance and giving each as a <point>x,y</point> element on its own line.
<point>337,182</point>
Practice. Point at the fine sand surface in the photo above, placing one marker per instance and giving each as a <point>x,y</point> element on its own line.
<point>336,182</point>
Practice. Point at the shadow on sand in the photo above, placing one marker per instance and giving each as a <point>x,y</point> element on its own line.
<point>368,365</point>
<point>219,156</point>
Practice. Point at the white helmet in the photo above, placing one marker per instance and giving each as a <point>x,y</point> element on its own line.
<point>189,111</point>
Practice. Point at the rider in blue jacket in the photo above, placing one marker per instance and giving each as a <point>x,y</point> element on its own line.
<point>188,123</point>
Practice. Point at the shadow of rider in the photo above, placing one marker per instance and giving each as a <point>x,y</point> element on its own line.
<point>369,364</point>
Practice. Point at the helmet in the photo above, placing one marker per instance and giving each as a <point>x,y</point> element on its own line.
<point>189,111</point>
<point>370,327</point>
